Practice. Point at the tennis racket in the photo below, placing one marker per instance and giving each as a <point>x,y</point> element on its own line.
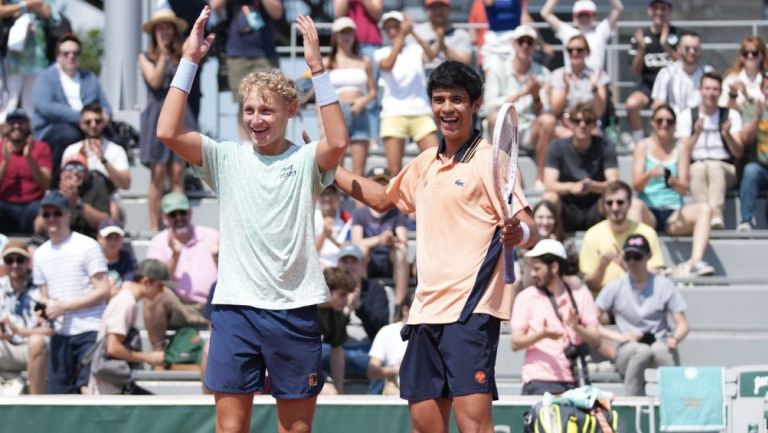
<point>504,169</point>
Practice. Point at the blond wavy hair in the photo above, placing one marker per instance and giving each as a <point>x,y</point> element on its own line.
<point>266,81</point>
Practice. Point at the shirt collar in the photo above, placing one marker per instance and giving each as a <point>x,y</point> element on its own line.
<point>466,152</point>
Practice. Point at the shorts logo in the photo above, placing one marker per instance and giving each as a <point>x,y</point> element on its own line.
<point>312,380</point>
<point>480,376</point>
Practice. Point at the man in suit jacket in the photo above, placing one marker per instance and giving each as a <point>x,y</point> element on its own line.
<point>59,94</point>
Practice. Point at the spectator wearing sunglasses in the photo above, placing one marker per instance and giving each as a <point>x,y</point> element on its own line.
<point>741,86</point>
<point>106,158</point>
<point>23,342</point>
<point>59,93</point>
<point>191,253</point>
<point>523,82</point>
<point>677,85</point>
<point>600,259</point>
<point>89,196</point>
<point>71,272</point>
<point>585,23</point>
<point>577,83</point>
<point>578,169</point>
<point>641,301</point>
<point>25,174</point>
<point>661,177</point>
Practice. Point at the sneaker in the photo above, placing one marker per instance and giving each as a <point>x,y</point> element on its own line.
<point>746,226</point>
<point>702,269</point>
<point>717,223</point>
<point>683,270</point>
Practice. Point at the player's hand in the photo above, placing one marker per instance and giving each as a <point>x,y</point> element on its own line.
<point>311,43</point>
<point>511,232</point>
<point>197,44</point>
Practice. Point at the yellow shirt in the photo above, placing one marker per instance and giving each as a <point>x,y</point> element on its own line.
<point>457,239</point>
<point>600,239</point>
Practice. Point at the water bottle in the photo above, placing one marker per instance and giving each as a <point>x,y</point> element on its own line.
<point>254,20</point>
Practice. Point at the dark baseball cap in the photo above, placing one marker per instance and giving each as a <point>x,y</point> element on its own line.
<point>157,270</point>
<point>637,244</point>
<point>666,2</point>
<point>17,114</point>
<point>55,198</point>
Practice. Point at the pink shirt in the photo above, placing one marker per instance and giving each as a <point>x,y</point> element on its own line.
<point>367,32</point>
<point>196,271</point>
<point>546,359</point>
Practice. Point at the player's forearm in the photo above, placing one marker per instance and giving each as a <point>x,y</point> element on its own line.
<point>171,130</point>
<point>365,190</point>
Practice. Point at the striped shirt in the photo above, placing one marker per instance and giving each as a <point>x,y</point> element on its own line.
<point>66,268</point>
<point>679,89</point>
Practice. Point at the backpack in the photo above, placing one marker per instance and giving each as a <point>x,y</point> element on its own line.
<point>185,347</point>
<point>557,418</point>
<point>118,372</point>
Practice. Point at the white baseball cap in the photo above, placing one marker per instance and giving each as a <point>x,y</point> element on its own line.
<point>343,23</point>
<point>522,31</point>
<point>548,246</point>
<point>584,6</point>
<point>392,15</point>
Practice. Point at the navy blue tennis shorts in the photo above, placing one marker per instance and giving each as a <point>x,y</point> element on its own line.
<point>246,342</point>
<point>450,360</point>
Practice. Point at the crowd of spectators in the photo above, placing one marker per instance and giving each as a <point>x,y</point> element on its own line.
<point>77,281</point>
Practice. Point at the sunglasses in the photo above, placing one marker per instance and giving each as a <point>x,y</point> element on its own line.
<point>93,121</point>
<point>576,50</point>
<point>69,53</point>
<point>610,203</point>
<point>524,41</point>
<point>54,214</point>
<point>177,213</point>
<point>664,121</point>
<point>583,121</point>
<point>750,53</point>
<point>691,49</point>
<point>75,167</point>
<point>628,257</point>
<point>18,260</point>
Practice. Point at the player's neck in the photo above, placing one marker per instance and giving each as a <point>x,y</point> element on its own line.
<point>272,149</point>
<point>455,142</point>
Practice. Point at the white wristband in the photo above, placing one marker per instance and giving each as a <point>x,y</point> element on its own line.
<point>526,233</point>
<point>185,75</point>
<point>325,93</point>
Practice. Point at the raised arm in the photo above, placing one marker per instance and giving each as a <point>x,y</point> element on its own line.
<point>365,190</point>
<point>330,150</point>
<point>617,7</point>
<point>170,125</point>
<point>548,13</point>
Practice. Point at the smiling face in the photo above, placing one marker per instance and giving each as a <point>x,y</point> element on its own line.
<point>577,52</point>
<point>165,34</point>
<point>453,112</point>
<point>690,49</point>
<point>265,116</point>
<point>55,219</point>
<point>663,123</point>
<point>616,206</point>
<point>710,92</point>
<point>92,124</point>
<point>17,131</point>
<point>659,13</point>
<point>545,222</point>
<point>68,57</point>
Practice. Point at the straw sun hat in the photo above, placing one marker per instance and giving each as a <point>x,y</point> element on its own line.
<point>165,16</point>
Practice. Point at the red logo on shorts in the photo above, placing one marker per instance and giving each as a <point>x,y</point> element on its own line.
<point>312,380</point>
<point>480,376</point>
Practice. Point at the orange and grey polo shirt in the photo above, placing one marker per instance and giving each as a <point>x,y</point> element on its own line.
<point>458,246</point>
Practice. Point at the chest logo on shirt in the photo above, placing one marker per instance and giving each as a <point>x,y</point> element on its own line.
<point>459,183</point>
<point>287,172</point>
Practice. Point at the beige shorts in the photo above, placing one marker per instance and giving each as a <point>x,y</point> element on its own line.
<point>413,127</point>
<point>239,67</point>
<point>13,357</point>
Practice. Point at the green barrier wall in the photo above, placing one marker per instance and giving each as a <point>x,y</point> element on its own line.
<point>30,417</point>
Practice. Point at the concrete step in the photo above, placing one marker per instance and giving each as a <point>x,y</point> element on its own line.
<point>732,308</point>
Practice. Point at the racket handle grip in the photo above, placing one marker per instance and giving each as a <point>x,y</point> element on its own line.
<point>509,265</point>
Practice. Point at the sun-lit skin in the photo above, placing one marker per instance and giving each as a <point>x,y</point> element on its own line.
<point>68,57</point>
<point>453,111</point>
<point>616,211</point>
<point>265,116</point>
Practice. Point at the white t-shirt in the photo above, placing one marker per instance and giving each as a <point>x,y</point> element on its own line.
<point>329,252</point>
<point>597,38</point>
<point>388,346</point>
<point>267,256</point>
<point>405,86</point>
<point>752,86</point>
<point>114,153</point>
<point>680,90</point>
<point>710,143</point>
<point>66,268</point>
<point>71,87</point>
<point>119,317</point>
